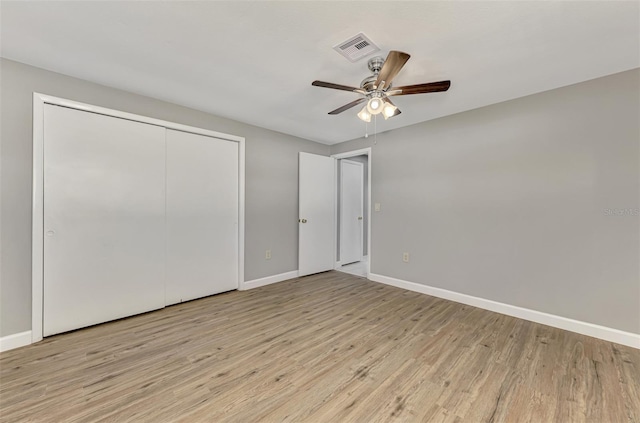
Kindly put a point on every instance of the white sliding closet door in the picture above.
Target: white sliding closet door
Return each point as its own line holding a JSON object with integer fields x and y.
{"x": 202, "y": 216}
{"x": 104, "y": 212}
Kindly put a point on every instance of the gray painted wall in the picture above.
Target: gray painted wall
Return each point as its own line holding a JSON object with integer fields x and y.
{"x": 517, "y": 202}
{"x": 271, "y": 179}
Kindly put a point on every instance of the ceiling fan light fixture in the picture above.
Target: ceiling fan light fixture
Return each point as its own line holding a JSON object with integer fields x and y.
{"x": 375, "y": 105}
{"x": 376, "y": 89}
{"x": 389, "y": 110}
{"x": 364, "y": 114}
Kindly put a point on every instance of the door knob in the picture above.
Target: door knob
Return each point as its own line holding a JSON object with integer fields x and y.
{"x": 302, "y": 220}
{"x": 359, "y": 217}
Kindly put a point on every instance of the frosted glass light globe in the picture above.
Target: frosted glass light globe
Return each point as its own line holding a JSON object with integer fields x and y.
{"x": 375, "y": 105}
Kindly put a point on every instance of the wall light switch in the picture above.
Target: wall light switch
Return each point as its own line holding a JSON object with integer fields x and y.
{"x": 377, "y": 207}
{"x": 267, "y": 255}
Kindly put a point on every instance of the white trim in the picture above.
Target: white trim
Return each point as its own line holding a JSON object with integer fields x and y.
{"x": 48, "y": 99}
{"x": 37, "y": 223}
{"x": 269, "y": 280}
{"x": 37, "y": 272}
{"x": 336, "y": 189}
{"x": 347, "y": 154}
{"x": 241, "y": 193}
{"x": 16, "y": 340}
{"x": 361, "y": 152}
{"x": 336, "y": 212}
{"x": 584, "y": 328}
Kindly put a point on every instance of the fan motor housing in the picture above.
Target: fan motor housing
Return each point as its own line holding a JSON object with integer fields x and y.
{"x": 375, "y": 64}
{"x": 368, "y": 82}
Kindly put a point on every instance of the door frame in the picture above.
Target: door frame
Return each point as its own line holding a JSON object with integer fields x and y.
{"x": 361, "y": 152}
{"x": 37, "y": 237}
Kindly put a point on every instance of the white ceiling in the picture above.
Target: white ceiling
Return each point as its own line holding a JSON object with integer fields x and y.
{"x": 255, "y": 61}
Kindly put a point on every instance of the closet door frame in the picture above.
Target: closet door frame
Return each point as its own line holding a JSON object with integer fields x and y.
{"x": 37, "y": 258}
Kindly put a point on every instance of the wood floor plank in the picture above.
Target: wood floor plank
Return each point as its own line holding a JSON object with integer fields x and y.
{"x": 330, "y": 347}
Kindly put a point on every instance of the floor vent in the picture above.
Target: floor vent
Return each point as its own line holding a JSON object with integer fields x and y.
{"x": 357, "y": 47}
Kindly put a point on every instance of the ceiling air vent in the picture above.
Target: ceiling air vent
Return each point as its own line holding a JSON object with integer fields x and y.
{"x": 357, "y": 47}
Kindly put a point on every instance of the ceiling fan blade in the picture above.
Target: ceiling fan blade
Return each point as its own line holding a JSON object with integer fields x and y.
{"x": 395, "y": 61}
{"x": 335, "y": 86}
{"x": 430, "y": 87}
{"x": 347, "y": 106}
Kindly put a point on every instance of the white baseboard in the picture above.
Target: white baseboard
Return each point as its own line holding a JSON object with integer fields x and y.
{"x": 16, "y": 340}
{"x": 584, "y": 328}
{"x": 269, "y": 280}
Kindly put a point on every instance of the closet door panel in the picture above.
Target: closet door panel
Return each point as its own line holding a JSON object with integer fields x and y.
{"x": 202, "y": 216}
{"x": 104, "y": 218}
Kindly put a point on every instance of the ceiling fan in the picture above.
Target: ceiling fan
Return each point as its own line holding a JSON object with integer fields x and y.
{"x": 377, "y": 89}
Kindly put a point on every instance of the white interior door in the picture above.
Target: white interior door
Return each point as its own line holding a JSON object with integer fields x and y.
{"x": 104, "y": 211}
{"x": 316, "y": 246}
{"x": 202, "y": 216}
{"x": 351, "y": 211}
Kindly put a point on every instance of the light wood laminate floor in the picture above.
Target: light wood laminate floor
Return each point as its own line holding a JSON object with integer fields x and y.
{"x": 326, "y": 348}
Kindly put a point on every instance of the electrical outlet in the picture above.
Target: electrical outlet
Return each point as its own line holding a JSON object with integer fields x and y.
{"x": 267, "y": 255}
{"x": 377, "y": 206}
{"x": 405, "y": 257}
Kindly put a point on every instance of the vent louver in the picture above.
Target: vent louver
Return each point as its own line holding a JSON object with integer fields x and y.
{"x": 356, "y": 47}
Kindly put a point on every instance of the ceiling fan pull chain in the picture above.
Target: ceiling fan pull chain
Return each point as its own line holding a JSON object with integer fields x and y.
{"x": 375, "y": 129}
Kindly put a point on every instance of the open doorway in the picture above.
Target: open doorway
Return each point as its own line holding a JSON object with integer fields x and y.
{"x": 353, "y": 193}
